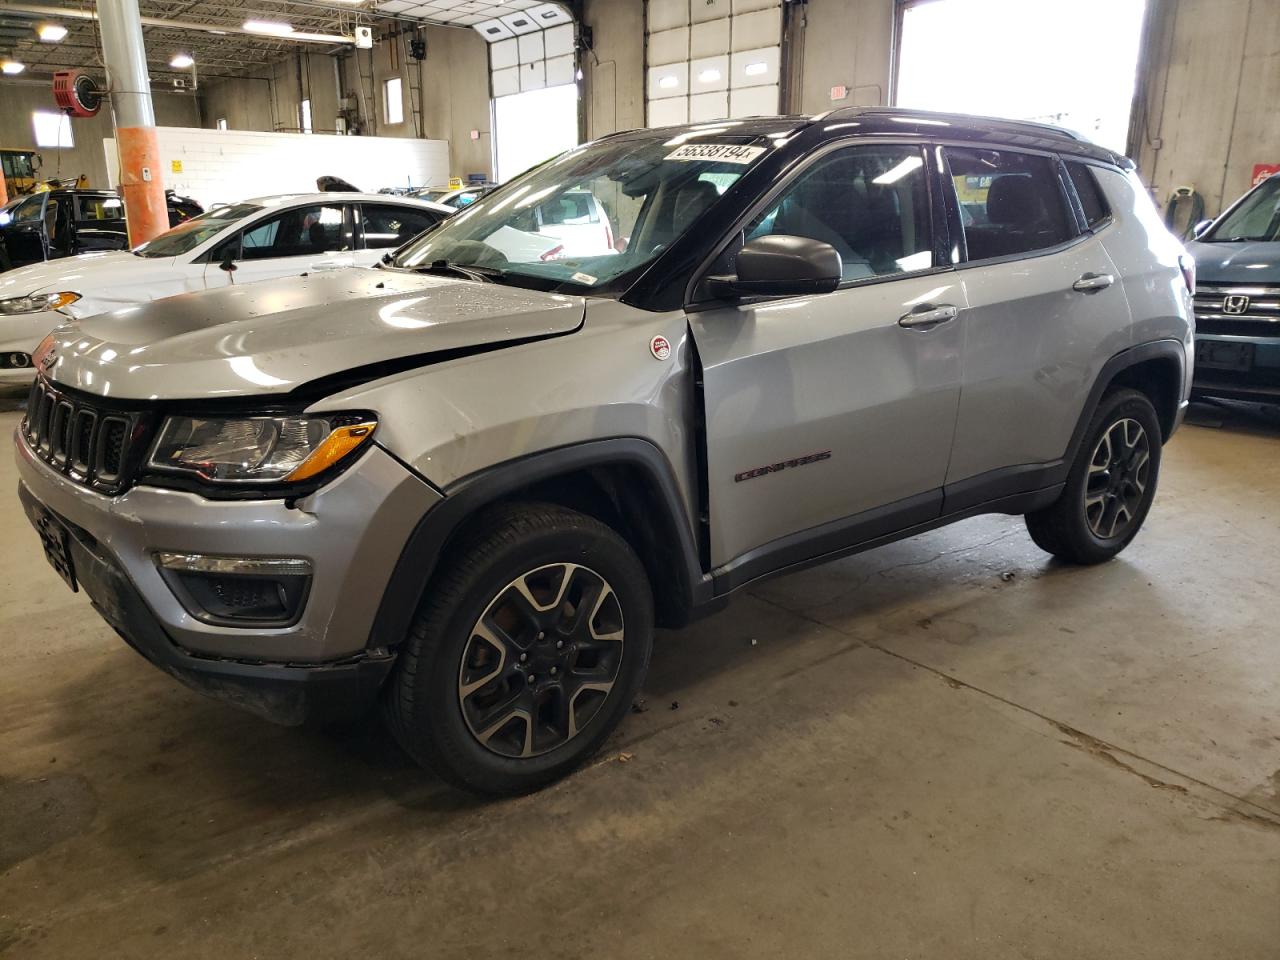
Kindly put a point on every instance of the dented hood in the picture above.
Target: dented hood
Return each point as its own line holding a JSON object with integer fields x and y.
{"x": 275, "y": 336}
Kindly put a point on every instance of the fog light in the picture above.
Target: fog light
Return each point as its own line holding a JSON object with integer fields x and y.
{"x": 238, "y": 591}
{"x": 14, "y": 361}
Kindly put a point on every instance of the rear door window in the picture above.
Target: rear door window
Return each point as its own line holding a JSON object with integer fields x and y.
{"x": 386, "y": 226}
{"x": 1011, "y": 203}
{"x": 99, "y": 208}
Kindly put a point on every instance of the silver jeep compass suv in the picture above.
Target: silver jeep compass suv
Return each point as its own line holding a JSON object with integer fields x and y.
{"x": 467, "y": 484}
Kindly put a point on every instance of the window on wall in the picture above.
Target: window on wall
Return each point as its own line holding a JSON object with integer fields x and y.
{"x": 340, "y": 124}
{"x": 222, "y": 123}
{"x": 304, "y": 116}
{"x": 393, "y": 101}
{"x": 52, "y": 129}
{"x": 709, "y": 59}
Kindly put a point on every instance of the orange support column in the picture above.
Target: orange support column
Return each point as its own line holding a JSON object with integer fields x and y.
{"x": 126, "y": 61}
{"x": 4, "y": 192}
{"x": 141, "y": 185}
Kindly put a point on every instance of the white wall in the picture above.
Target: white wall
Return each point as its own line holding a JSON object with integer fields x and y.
{"x": 224, "y": 166}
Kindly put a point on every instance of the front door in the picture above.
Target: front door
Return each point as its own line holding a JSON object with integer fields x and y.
{"x": 831, "y": 417}
{"x": 24, "y": 237}
{"x": 299, "y": 240}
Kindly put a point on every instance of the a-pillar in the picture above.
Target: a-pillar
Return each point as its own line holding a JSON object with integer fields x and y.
{"x": 141, "y": 183}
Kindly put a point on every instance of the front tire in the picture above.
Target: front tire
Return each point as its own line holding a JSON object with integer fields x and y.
{"x": 526, "y": 653}
{"x": 1110, "y": 487}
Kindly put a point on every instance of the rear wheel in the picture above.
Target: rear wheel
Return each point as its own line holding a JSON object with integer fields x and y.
{"x": 1110, "y": 487}
{"x": 527, "y": 652}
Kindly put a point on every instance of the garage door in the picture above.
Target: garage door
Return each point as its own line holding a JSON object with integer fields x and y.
{"x": 710, "y": 59}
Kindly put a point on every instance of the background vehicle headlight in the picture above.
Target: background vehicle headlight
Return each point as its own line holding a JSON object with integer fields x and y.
{"x": 38, "y": 302}
{"x": 261, "y": 450}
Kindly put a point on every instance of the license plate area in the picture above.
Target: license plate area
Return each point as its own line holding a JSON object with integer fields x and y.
{"x": 1224, "y": 355}
{"x": 56, "y": 539}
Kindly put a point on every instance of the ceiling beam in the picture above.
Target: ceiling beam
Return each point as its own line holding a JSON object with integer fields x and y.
{"x": 74, "y": 13}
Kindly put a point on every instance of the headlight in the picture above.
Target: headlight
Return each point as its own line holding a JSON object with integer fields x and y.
{"x": 258, "y": 450}
{"x": 38, "y": 302}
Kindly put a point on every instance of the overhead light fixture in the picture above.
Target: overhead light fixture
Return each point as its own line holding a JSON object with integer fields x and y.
{"x": 710, "y": 75}
{"x": 181, "y": 61}
{"x": 12, "y": 66}
{"x": 272, "y": 27}
{"x": 51, "y": 32}
{"x": 755, "y": 69}
{"x": 669, "y": 81}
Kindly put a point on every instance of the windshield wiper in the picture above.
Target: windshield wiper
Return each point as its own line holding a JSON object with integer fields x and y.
{"x": 447, "y": 268}
{"x": 1235, "y": 240}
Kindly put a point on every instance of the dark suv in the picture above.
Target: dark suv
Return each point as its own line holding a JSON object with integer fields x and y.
{"x": 1238, "y": 299}
{"x": 63, "y": 223}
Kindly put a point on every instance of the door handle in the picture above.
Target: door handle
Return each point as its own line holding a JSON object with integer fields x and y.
{"x": 928, "y": 315}
{"x": 328, "y": 265}
{"x": 1092, "y": 282}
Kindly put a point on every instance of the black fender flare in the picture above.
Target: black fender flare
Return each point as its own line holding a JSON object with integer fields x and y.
{"x": 1173, "y": 350}
{"x": 464, "y": 498}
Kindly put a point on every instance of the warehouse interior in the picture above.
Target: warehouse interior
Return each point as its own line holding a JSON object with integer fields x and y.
{"x": 951, "y": 745}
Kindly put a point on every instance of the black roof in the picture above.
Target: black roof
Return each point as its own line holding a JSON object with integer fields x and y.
{"x": 880, "y": 121}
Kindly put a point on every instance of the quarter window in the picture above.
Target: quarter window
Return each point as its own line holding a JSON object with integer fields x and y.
{"x": 1010, "y": 203}
{"x": 1090, "y": 194}
{"x": 870, "y": 203}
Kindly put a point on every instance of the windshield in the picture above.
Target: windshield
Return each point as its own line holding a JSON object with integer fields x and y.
{"x": 591, "y": 215}
{"x": 190, "y": 234}
{"x": 1258, "y": 218}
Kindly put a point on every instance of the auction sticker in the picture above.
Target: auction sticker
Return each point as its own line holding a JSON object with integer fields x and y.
{"x": 721, "y": 152}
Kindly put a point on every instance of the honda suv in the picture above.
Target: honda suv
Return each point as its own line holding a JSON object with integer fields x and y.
{"x": 1238, "y": 299}
{"x": 468, "y": 486}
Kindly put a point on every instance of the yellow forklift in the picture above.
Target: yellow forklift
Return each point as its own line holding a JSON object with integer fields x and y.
{"x": 20, "y": 168}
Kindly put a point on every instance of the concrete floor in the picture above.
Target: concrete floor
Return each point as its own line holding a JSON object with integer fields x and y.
{"x": 948, "y": 748}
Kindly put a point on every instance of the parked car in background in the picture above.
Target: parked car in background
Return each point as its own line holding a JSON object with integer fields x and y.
{"x": 468, "y": 486}
{"x": 51, "y": 224}
{"x": 1238, "y": 299}
{"x": 62, "y": 223}
{"x": 457, "y": 197}
{"x": 255, "y": 240}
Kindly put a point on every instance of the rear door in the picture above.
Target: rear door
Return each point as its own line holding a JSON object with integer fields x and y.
{"x": 99, "y": 222}
{"x": 385, "y": 226}
{"x": 304, "y": 239}
{"x": 829, "y": 418}
{"x": 1045, "y": 309}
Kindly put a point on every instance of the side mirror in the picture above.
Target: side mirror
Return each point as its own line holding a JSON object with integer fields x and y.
{"x": 1201, "y": 227}
{"x": 782, "y": 266}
